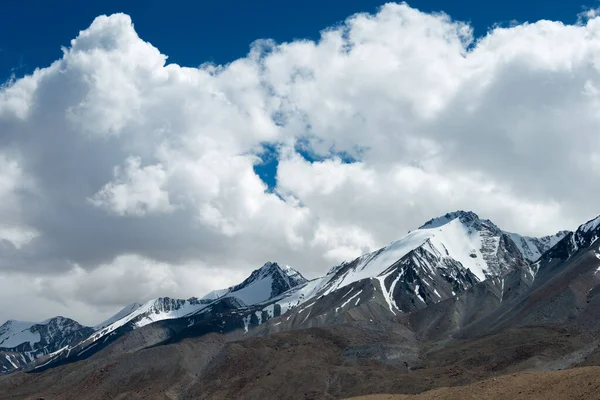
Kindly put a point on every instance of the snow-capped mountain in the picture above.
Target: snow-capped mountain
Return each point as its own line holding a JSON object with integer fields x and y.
{"x": 22, "y": 342}
{"x": 532, "y": 248}
{"x": 152, "y": 311}
{"x": 446, "y": 256}
{"x": 265, "y": 283}
{"x": 456, "y": 281}
{"x": 585, "y": 236}
{"x": 499, "y": 254}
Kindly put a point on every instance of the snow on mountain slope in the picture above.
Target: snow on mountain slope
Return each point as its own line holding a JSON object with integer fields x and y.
{"x": 590, "y": 225}
{"x": 497, "y": 249}
{"x": 153, "y": 311}
{"x": 445, "y": 256}
{"x": 14, "y": 333}
{"x": 267, "y": 282}
{"x": 532, "y": 248}
{"x": 125, "y": 311}
{"x": 300, "y": 294}
{"x": 452, "y": 235}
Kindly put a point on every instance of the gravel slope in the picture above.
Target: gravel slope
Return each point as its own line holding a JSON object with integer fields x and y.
{"x": 572, "y": 384}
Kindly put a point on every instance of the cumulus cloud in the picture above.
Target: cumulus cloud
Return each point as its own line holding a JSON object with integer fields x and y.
{"x": 123, "y": 177}
{"x": 138, "y": 192}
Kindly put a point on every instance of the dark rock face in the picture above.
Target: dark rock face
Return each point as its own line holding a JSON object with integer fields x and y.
{"x": 414, "y": 286}
{"x": 584, "y": 237}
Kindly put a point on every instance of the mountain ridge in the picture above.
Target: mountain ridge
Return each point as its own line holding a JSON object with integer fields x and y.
{"x": 22, "y": 342}
{"x": 443, "y": 258}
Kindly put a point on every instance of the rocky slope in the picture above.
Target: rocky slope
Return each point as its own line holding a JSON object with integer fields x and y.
{"x": 576, "y": 383}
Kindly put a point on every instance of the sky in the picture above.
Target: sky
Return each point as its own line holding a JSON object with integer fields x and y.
{"x": 168, "y": 149}
{"x": 195, "y": 32}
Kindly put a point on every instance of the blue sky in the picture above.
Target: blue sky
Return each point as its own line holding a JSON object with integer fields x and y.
{"x": 192, "y": 32}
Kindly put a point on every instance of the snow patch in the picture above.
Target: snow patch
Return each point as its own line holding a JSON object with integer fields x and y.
{"x": 419, "y": 294}
{"x": 270, "y": 310}
{"x": 11, "y": 361}
{"x": 350, "y": 299}
{"x": 388, "y": 295}
{"x": 246, "y": 321}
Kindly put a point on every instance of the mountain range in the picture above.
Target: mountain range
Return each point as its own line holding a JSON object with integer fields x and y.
{"x": 456, "y": 300}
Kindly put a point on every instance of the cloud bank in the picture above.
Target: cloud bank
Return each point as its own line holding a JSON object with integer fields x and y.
{"x": 124, "y": 177}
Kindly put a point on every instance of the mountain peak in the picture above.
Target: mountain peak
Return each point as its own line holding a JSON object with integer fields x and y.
{"x": 468, "y": 218}
{"x": 268, "y": 268}
{"x": 590, "y": 225}
{"x": 264, "y": 283}
{"x": 585, "y": 236}
{"x": 272, "y": 269}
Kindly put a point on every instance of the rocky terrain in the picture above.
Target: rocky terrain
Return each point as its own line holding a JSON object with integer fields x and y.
{"x": 453, "y": 303}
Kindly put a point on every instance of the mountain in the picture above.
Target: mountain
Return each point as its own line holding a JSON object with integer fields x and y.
{"x": 498, "y": 253}
{"x": 23, "y": 342}
{"x": 263, "y": 284}
{"x": 443, "y": 258}
{"x": 451, "y": 303}
{"x": 565, "y": 294}
{"x": 532, "y": 248}
{"x": 585, "y": 235}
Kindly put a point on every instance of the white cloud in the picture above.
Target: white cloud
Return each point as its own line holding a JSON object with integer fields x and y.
{"x": 139, "y": 191}
{"x": 97, "y": 294}
{"x": 118, "y": 170}
{"x": 588, "y": 14}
